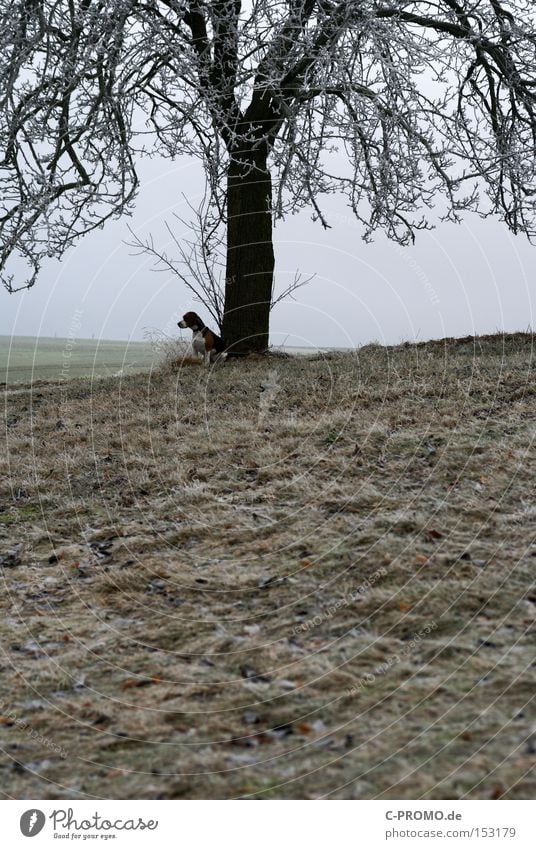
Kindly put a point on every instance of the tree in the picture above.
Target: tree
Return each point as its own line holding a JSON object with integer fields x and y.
{"x": 392, "y": 102}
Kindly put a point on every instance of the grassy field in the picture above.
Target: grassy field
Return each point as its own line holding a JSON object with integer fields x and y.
{"x": 30, "y": 358}
{"x": 280, "y": 578}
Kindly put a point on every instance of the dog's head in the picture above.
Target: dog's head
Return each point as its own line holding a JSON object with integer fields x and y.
{"x": 191, "y": 320}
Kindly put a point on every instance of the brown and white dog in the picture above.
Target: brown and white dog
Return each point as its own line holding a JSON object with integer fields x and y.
{"x": 204, "y": 341}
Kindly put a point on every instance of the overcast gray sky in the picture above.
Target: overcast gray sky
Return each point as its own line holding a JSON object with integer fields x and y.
{"x": 456, "y": 280}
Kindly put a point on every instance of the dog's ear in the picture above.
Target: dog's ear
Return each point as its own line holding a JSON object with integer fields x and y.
{"x": 191, "y": 319}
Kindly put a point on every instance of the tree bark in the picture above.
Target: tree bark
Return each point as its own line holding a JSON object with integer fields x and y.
{"x": 250, "y": 254}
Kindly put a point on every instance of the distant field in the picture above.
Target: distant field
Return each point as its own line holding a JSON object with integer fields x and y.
{"x": 25, "y": 359}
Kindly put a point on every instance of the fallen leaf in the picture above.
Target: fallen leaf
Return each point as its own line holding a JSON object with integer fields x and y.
{"x": 264, "y": 739}
{"x": 496, "y": 791}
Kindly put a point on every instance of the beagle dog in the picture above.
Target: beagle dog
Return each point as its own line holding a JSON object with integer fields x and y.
{"x": 204, "y": 341}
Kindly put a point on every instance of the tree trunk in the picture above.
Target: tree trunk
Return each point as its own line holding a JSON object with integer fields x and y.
{"x": 250, "y": 255}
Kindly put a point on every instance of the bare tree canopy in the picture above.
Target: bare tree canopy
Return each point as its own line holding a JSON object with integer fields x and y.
{"x": 392, "y": 102}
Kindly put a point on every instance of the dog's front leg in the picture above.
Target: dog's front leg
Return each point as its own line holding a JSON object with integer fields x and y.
{"x": 207, "y": 358}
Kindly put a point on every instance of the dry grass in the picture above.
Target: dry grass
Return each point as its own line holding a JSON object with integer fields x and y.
{"x": 323, "y": 589}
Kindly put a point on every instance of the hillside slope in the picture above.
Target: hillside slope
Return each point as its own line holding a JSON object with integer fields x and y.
{"x": 285, "y": 578}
